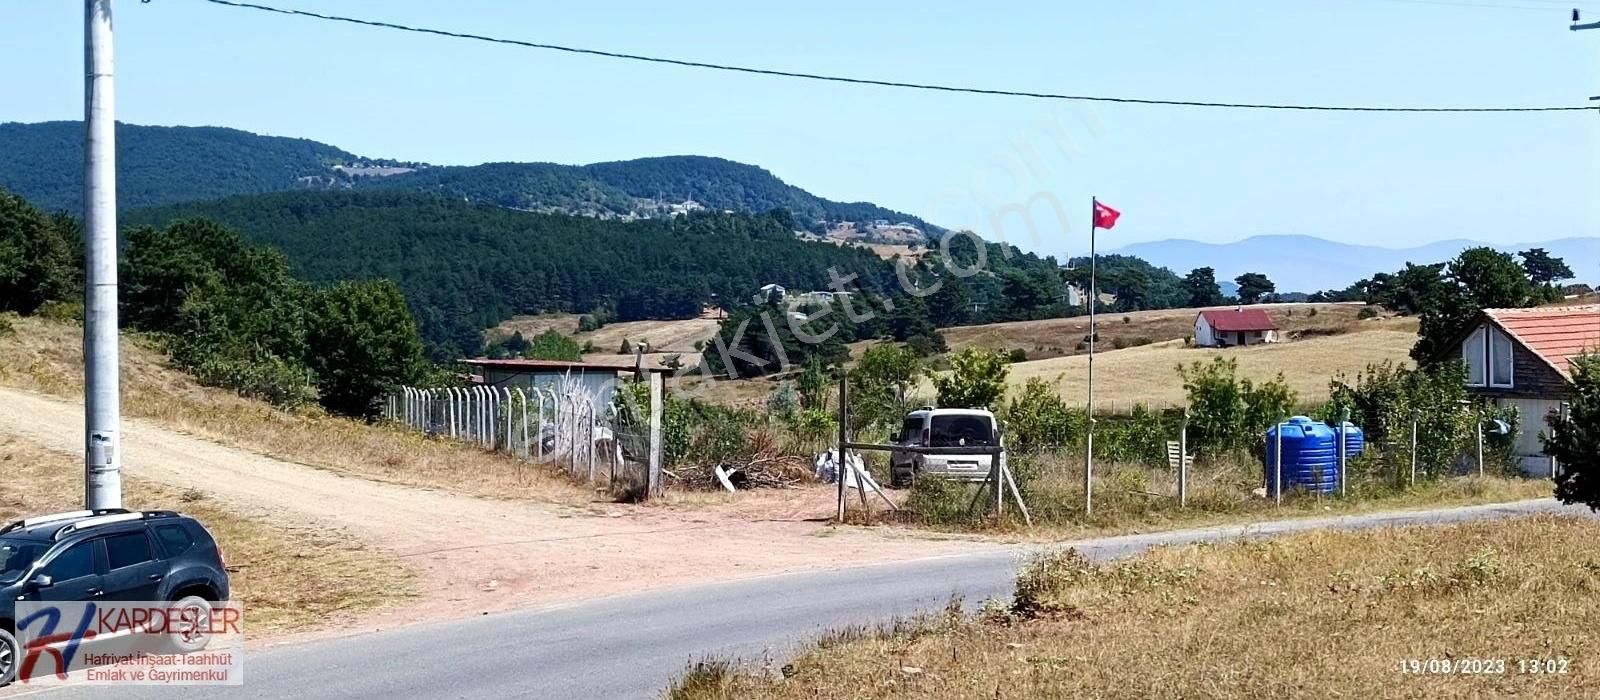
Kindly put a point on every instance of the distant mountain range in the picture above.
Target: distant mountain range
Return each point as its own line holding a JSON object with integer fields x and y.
{"x": 159, "y": 165}
{"x": 1309, "y": 264}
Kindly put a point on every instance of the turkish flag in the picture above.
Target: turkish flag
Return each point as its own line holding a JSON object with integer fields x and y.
{"x": 1104, "y": 216}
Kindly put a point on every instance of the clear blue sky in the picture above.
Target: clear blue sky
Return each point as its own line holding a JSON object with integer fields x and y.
{"x": 1392, "y": 180}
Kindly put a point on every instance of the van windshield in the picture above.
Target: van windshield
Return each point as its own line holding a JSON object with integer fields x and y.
{"x": 956, "y": 431}
{"x": 16, "y": 556}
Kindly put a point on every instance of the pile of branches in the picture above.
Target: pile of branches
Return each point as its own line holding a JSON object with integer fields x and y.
{"x": 750, "y": 472}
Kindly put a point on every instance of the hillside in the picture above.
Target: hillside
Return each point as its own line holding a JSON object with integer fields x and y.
{"x": 1309, "y": 264}
{"x": 159, "y": 165}
{"x": 466, "y": 267}
{"x": 166, "y": 165}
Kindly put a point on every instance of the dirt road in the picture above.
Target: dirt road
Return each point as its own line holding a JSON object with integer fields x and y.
{"x": 473, "y": 555}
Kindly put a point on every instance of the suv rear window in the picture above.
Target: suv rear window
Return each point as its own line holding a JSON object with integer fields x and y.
{"x": 174, "y": 539}
{"x": 956, "y": 431}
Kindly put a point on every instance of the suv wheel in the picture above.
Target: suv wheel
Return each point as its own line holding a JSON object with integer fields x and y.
{"x": 188, "y": 642}
{"x": 10, "y": 657}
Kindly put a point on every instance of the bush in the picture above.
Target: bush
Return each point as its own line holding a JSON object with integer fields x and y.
{"x": 1037, "y": 419}
{"x": 1575, "y": 442}
{"x": 977, "y": 379}
{"x": 1229, "y": 413}
{"x": 1017, "y": 355}
{"x": 271, "y": 379}
{"x": 7, "y": 328}
{"x": 941, "y": 502}
{"x": 1366, "y": 312}
{"x": 1385, "y": 398}
{"x": 552, "y": 345}
{"x": 65, "y": 311}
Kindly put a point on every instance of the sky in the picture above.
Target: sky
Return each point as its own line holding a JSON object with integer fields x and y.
{"x": 962, "y": 161}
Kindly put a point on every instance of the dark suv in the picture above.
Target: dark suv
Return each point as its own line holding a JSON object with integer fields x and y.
{"x": 114, "y": 555}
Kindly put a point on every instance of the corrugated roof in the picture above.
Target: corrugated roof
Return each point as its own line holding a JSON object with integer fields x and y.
{"x": 1239, "y": 320}
{"x": 1556, "y": 334}
{"x": 556, "y": 366}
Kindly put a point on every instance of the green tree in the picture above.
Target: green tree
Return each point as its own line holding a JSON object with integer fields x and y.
{"x": 1575, "y": 442}
{"x": 552, "y": 345}
{"x": 977, "y": 379}
{"x": 1200, "y": 285}
{"x": 881, "y": 383}
{"x": 37, "y": 258}
{"x": 812, "y": 386}
{"x": 1477, "y": 279}
{"x": 1543, "y": 268}
{"x": 1253, "y": 286}
{"x": 362, "y": 342}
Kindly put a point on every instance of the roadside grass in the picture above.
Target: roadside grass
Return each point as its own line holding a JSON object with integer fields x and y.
{"x": 288, "y": 577}
{"x": 1319, "y": 614}
{"x": 46, "y": 357}
{"x": 1131, "y": 498}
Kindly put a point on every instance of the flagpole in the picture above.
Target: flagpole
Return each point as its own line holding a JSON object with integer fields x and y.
{"x": 1094, "y": 296}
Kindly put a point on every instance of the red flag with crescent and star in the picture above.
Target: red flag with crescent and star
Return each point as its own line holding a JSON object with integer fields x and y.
{"x": 1105, "y": 217}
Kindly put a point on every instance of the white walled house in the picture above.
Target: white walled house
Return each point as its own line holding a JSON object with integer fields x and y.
{"x": 1220, "y": 328}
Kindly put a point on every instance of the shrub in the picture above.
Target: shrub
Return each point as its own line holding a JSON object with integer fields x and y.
{"x": 271, "y": 379}
{"x": 1229, "y": 413}
{"x": 1385, "y": 398}
{"x": 552, "y": 345}
{"x": 7, "y": 328}
{"x": 1575, "y": 442}
{"x": 1017, "y": 355}
{"x": 977, "y": 379}
{"x": 941, "y": 502}
{"x": 1366, "y": 312}
{"x": 66, "y": 311}
{"x": 1037, "y": 419}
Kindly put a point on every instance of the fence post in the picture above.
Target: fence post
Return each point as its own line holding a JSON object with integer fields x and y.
{"x": 538, "y": 439}
{"x": 589, "y": 443}
{"x": 1479, "y": 423}
{"x": 653, "y": 473}
{"x": 1183, "y": 461}
{"x": 1344, "y": 436}
{"x": 1277, "y": 462}
{"x": 1413, "y": 448}
{"x": 844, "y": 437}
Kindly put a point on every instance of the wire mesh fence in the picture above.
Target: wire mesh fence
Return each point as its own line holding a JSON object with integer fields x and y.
{"x": 565, "y": 426}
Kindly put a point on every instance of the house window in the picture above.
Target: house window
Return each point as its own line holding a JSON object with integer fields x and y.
{"x": 1499, "y": 359}
{"x": 1472, "y": 352}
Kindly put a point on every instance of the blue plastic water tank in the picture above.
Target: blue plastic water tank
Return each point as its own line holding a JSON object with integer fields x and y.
{"x": 1354, "y": 440}
{"x": 1310, "y": 456}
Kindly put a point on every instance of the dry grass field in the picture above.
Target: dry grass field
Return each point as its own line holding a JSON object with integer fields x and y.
{"x": 663, "y": 336}
{"x": 1495, "y": 608}
{"x": 46, "y": 357}
{"x": 288, "y": 577}
{"x": 1060, "y": 336}
{"x": 1148, "y": 374}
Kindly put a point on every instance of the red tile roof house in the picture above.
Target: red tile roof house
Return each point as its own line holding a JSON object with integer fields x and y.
{"x": 1221, "y": 328}
{"x": 1521, "y": 358}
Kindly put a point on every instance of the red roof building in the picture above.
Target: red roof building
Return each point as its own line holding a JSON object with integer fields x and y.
{"x": 1225, "y": 327}
{"x": 1523, "y": 358}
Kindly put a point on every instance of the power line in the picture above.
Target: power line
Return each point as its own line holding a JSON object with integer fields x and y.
{"x": 885, "y": 83}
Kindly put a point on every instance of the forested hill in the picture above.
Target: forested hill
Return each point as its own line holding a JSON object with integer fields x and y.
{"x": 464, "y": 267}
{"x": 165, "y": 165}
{"x": 156, "y": 164}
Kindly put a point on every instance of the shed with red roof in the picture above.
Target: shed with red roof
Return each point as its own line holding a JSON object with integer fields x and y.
{"x": 1220, "y": 328}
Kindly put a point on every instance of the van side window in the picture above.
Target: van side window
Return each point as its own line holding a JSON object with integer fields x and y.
{"x": 911, "y": 432}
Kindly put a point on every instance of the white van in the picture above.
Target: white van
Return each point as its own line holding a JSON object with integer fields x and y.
{"x": 944, "y": 427}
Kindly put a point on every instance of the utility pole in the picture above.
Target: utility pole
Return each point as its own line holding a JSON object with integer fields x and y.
{"x": 102, "y": 387}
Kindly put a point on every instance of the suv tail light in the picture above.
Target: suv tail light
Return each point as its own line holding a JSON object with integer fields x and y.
{"x": 222, "y": 556}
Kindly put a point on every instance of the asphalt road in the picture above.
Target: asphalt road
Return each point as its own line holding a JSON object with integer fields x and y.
{"x": 632, "y": 646}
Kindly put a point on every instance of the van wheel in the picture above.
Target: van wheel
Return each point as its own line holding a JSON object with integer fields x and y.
{"x": 901, "y": 478}
{"x": 10, "y": 657}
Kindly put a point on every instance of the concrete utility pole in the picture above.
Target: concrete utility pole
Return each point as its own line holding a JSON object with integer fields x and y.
{"x": 102, "y": 388}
